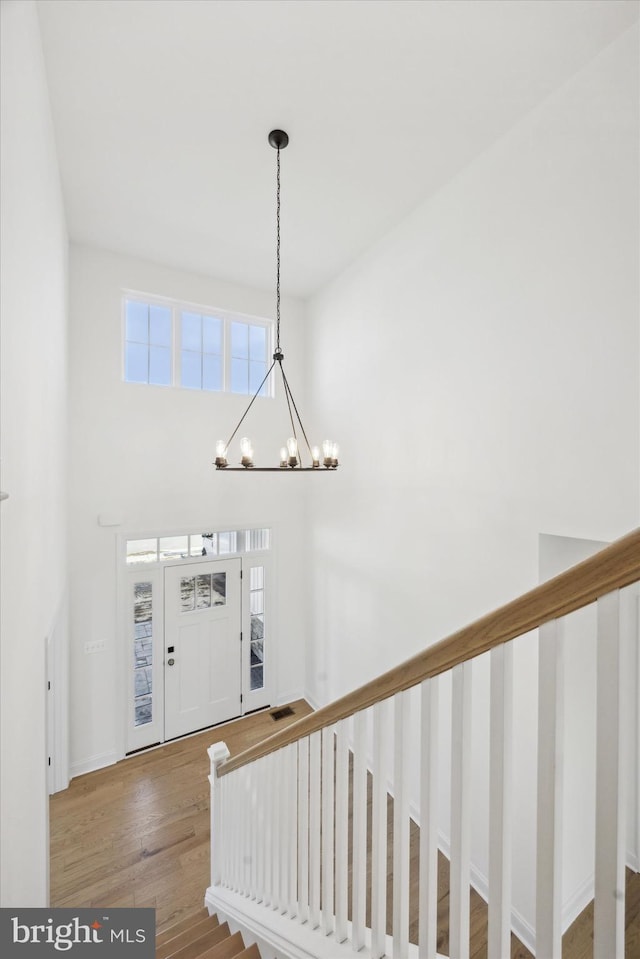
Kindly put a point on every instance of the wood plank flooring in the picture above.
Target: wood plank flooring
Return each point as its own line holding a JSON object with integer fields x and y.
{"x": 137, "y": 834}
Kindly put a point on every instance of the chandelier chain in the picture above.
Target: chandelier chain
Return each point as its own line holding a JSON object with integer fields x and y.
{"x": 278, "y": 253}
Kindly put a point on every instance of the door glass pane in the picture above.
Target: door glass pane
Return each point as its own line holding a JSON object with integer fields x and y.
{"x": 142, "y": 551}
{"x": 196, "y": 546}
{"x": 256, "y": 601}
{"x": 203, "y": 591}
{"x": 256, "y": 608}
{"x": 143, "y": 711}
{"x": 227, "y": 542}
{"x": 142, "y": 653}
{"x": 187, "y": 593}
{"x": 174, "y": 547}
{"x": 210, "y": 543}
{"x": 218, "y": 589}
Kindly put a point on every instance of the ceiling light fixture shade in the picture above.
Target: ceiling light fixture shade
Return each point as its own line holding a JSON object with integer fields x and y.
{"x": 291, "y": 459}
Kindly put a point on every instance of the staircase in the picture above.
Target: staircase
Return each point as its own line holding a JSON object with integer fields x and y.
{"x": 301, "y": 858}
{"x": 201, "y": 936}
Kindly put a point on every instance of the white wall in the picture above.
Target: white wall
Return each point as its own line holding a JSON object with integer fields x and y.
{"x": 144, "y": 454}
{"x": 33, "y": 423}
{"x": 482, "y": 364}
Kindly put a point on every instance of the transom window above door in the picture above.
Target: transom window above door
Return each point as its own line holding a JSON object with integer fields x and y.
{"x": 188, "y": 546}
{"x": 167, "y": 343}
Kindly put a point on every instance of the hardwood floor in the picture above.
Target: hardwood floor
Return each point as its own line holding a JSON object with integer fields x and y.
{"x": 137, "y": 834}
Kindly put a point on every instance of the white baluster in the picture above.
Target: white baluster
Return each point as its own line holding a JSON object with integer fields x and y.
{"x": 292, "y": 820}
{"x": 303, "y": 829}
{"x": 278, "y": 832}
{"x": 402, "y": 718}
{"x": 260, "y": 829}
{"x": 233, "y": 830}
{"x": 328, "y": 780}
{"x": 359, "y": 863}
{"x": 271, "y": 849}
{"x": 500, "y": 763}
{"x": 460, "y": 811}
{"x": 379, "y": 831}
{"x": 314, "y": 830}
{"x": 342, "y": 827}
{"x": 611, "y": 753}
{"x": 550, "y": 789}
{"x": 253, "y": 828}
{"x": 217, "y": 755}
{"x": 428, "y": 909}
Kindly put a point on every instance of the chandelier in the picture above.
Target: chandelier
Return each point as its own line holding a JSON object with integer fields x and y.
{"x": 291, "y": 455}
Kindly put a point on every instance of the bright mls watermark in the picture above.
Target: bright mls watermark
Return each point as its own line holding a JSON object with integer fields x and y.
{"x": 79, "y": 933}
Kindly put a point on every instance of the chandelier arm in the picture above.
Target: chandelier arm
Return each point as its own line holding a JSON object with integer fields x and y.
{"x": 253, "y": 399}
{"x": 286, "y": 394}
{"x": 289, "y": 393}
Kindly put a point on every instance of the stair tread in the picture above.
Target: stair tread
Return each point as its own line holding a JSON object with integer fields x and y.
{"x": 195, "y": 930}
{"x": 201, "y": 943}
{"x": 177, "y": 927}
{"x": 227, "y": 949}
{"x": 252, "y": 952}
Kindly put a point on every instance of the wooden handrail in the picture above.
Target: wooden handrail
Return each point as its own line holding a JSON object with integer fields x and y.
{"x": 611, "y": 568}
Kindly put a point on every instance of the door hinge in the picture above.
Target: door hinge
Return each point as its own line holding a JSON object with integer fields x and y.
{"x": 49, "y": 760}
{"x": 240, "y": 574}
{"x": 48, "y": 684}
{"x": 240, "y": 697}
{"x": 240, "y": 637}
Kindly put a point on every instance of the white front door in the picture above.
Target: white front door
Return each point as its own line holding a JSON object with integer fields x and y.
{"x": 203, "y": 648}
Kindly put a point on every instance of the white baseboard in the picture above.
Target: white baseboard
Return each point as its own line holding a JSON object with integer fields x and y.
{"x": 89, "y": 765}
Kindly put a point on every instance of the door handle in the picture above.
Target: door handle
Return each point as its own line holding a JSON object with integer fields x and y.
{"x": 170, "y": 662}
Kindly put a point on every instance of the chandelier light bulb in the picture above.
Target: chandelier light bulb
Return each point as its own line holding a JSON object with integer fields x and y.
{"x": 221, "y": 454}
{"x": 327, "y": 452}
{"x": 315, "y": 456}
{"x": 246, "y": 450}
{"x": 334, "y": 454}
{"x": 283, "y": 456}
{"x": 292, "y": 447}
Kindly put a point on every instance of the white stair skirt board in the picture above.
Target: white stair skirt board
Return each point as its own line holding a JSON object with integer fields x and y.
{"x": 279, "y": 937}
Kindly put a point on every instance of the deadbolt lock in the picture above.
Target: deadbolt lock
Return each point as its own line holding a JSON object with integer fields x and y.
{"x": 170, "y": 662}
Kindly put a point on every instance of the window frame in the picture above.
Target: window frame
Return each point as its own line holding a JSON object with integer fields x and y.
{"x": 178, "y": 307}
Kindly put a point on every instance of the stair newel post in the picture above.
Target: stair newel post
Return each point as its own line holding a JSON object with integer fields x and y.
{"x": 217, "y": 753}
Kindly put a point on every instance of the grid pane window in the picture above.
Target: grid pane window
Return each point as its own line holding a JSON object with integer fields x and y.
{"x": 201, "y": 342}
{"x": 143, "y": 653}
{"x": 249, "y": 347}
{"x": 256, "y": 607}
{"x": 147, "y": 343}
{"x": 212, "y": 352}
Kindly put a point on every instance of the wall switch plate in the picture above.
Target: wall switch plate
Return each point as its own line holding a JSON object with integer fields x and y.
{"x": 96, "y": 646}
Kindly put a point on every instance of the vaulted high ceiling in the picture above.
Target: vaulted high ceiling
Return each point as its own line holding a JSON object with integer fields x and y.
{"x": 162, "y": 110}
